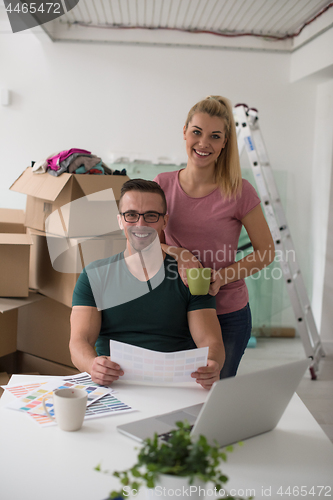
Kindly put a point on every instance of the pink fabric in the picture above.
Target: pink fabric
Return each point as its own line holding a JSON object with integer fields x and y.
{"x": 209, "y": 227}
{"x": 55, "y": 161}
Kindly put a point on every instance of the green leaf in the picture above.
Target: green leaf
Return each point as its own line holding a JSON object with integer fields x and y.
{"x": 115, "y": 494}
{"x": 135, "y": 472}
{"x": 150, "y": 483}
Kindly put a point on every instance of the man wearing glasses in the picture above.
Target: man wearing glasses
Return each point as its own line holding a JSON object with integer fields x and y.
{"x": 138, "y": 297}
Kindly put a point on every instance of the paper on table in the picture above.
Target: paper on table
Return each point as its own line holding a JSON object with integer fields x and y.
{"x": 106, "y": 406}
{"x": 102, "y": 406}
{"x": 32, "y": 403}
{"x": 21, "y": 390}
{"x": 144, "y": 366}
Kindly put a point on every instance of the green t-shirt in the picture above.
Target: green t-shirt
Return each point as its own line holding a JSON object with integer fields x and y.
{"x": 155, "y": 319}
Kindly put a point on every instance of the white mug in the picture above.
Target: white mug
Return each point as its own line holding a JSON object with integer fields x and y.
{"x": 69, "y": 408}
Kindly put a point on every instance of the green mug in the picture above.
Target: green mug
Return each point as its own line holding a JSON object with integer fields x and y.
{"x": 198, "y": 279}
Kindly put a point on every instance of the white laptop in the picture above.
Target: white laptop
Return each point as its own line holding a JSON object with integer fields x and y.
{"x": 236, "y": 408}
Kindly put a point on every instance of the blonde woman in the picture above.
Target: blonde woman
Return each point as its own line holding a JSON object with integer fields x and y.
{"x": 208, "y": 203}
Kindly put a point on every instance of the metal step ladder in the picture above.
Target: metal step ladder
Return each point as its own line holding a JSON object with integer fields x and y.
{"x": 249, "y": 136}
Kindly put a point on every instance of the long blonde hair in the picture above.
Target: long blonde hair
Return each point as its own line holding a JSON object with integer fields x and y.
{"x": 227, "y": 169}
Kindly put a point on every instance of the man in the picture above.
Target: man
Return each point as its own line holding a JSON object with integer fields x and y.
{"x": 160, "y": 314}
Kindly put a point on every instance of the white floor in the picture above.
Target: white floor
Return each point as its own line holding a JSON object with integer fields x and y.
{"x": 317, "y": 395}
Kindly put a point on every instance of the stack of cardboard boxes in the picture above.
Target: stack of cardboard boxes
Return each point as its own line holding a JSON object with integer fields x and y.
{"x": 14, "y": 263}
{"x": 35, "y": 326}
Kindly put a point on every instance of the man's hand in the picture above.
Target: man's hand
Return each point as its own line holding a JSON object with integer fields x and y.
{"x": 104, "y": 371}
{"x": 207, "y": 375}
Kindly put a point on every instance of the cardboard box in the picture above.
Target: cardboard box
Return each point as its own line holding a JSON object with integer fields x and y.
{"x": 8, "y": 321}
{"x": 12, "y": 220}
{"x": 8, "y": 363}
{"x": 56, "y": 263}
{"x": 4, "y": 378}
{"x": 14, "y": 264}
{"x": 45, "y": 279}
{"x": 43, "y": 330}
{"x": 27, "y": 363}
{"x": 8, "y": 329}
{"x": 94, "y": 215}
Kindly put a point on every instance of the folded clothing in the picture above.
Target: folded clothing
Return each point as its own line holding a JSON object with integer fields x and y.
{"x": 70, "y": 161}
{"x": 87, "y": 161}
{"x": 53, "y": 162}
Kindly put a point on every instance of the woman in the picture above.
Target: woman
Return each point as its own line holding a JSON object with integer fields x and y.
{"x": 208, "y": 202}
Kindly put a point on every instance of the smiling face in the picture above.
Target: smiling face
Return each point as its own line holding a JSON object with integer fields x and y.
{"x": 205, "y": 139}
{"x": 141, "y": 234}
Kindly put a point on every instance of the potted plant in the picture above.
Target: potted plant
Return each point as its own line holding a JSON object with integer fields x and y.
{"x": 179, "y": 467}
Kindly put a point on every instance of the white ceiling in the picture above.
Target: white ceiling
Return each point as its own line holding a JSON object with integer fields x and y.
{"x": 272, "y": 18}
{"x": 262, "y": 24}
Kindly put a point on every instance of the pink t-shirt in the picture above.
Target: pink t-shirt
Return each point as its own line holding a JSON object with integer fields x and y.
{"x": 209, "y": 227}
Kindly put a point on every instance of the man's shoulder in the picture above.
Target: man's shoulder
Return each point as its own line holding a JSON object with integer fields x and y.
{"x": 104, "y": 262}
{"x": 171, "y": 273}
{"x": 170, "y": 261}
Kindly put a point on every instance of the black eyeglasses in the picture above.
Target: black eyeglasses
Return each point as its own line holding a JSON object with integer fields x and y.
{"x": 149, "y": 217}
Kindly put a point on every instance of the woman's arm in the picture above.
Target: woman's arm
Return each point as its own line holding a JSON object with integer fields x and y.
{"x": 262, "y": 255}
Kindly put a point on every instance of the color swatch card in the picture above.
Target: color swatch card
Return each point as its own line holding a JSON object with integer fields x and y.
{"x": 153, "y": 367}
{"x": 101, "y": 400}
{"x": 22, "y": 390}
{"x": 82, "y": 378}
{"x": 33, "y": 401}
{"x": 106, "y": 406}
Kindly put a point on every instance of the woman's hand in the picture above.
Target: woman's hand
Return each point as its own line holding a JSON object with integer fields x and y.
{"x": 185, "y": 260}
{"x": 215, "y": 283}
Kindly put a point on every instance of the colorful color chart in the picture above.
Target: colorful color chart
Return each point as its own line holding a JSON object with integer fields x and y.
{"x": 22, "y": 390}
{"x": 33, "y": 401}
{"x": 82, "y": 378}
{"x": 101, "y": 401}
{"x": 106, "y": 406}
{"x": 154, "y": 367}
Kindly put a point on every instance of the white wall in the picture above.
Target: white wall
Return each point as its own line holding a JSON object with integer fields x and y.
{"x": 134, "y": 99}
{"x": 313, "y": 62}
{"x": 327, "y": 296}
{"x": 322, "y": 199}
{"x": 315, "y": 57}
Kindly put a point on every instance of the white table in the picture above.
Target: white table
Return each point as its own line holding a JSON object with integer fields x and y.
{"x": 49, "y": 464}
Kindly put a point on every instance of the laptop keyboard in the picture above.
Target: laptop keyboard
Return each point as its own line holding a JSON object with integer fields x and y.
{"x": 167, "y": 435}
